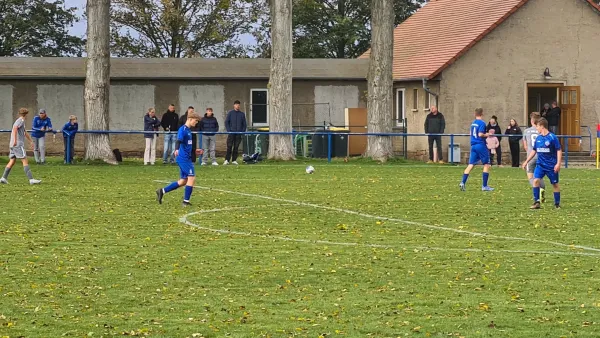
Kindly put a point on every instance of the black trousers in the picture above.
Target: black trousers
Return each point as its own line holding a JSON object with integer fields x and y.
{"x": 438, "y": 142}
{"x": 71, "y": 150}
{"x": 233, "y": 145}
{"x": 498, "y": 156}
{"x": 515, "y": 152}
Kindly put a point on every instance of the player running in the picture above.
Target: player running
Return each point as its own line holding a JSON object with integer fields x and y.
{"x": 479, "y": 151}
{"x": 183, "y": 155}
{"x": 17, "y": 148}
{"x": 549, "y": 157}
{"x": 529, "y": 137}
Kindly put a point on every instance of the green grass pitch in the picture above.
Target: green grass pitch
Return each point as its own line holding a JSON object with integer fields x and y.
{"x": 354, "y": 250}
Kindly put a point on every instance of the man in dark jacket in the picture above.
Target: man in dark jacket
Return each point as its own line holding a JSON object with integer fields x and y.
{"x": 209, "y": 124}
{"x": 235, "y": 122}
{"x": 553, "y": 118}
{"x": 493, "y": 124}
{"x": 151, "y": 124}
{"x": 170, "y": 124}
{"x": 435, "y": 124}
{"x": 182, "y": 121}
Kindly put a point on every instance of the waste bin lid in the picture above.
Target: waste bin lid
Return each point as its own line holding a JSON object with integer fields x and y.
{"x": 456, "y": 145}
{"x": 339, "y": 129}
{"x": 263, "y": 129}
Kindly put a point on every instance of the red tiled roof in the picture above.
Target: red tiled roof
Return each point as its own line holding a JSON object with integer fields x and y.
{"x": 443, "y": 30}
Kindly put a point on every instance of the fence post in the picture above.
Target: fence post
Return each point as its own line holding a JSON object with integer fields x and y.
{"x": 328, "y": 147}
{"x": 566, "y": 152}
{"x": 451, "y": 149}
{"x": 68, "y": 154}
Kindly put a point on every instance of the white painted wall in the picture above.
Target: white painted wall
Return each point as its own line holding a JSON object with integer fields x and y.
{"x": 128, "y": 105}
{"x": 339, "y": 98}
{"x": 202, "y": 97}
{"x": 60, "y": 101}
{"x": 7, "y": 115}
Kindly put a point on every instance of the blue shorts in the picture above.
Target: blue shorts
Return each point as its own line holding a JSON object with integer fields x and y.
{"x": 479, "y": 152}
{"x": 186, "y": 170}
{"x": 541, "y": 172}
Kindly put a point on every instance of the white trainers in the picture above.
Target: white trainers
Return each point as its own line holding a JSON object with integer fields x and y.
{"x": 3, "y": 180}
{"x": 226, "y": 162}
{"x": 215, "y": 163}
{"x": 203, "y": 163}
{"x": 34, "y": 181}
{"x": 234, "y": 163}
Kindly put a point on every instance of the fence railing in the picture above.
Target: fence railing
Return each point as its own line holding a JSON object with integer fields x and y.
{"x": 326, "y": 133}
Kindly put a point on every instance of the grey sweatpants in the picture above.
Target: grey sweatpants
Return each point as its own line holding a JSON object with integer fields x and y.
{"x": 39, "y": 149}
{"x": 209, "y": 143}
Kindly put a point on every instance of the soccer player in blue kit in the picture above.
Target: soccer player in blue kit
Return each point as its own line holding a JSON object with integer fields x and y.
{"x": 549, "y": 157}
{"x": 479, "y": 151}
{"x": 183, "y": 157}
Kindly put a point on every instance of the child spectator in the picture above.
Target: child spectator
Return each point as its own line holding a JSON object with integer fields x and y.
{"x": 69, "y": 131}
{"x": 209, "y": 124}
{"x": 151, "y": 124}
{"x": 492, "y": 144}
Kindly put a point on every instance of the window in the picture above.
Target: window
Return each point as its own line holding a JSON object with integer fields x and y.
{"x": 400, "y": 116}
{"x": 415, "y": 99}
{"x": 427, "y": 100}
{"x": 259, "y": 109}
{"x": 432, "y": 101}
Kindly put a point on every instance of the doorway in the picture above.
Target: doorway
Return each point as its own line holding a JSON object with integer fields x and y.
{"x": 568, "y": 98}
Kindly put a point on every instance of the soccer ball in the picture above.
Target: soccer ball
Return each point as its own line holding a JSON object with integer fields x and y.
{"x": 310, "y": 169}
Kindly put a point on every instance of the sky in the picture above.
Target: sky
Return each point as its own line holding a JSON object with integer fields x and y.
{"x": 79, "y": 28}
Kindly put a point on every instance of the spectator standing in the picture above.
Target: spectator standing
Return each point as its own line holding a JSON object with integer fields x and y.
{"x": 69, "y": 130}
{"x": 235, "y": 122}
{"x": 553, "y": 118}
{"x": 545, "y": 110}
{"x": 170, "y": 124}
{"x": 41, "y": 125}
{"x": 492, "y": 144}
{"x": 209, "y": 123}
{"x": 515, "y": 135}
{"x": 435, "y": 124}
{"x": 151, "y": 124}
{"x": 182, "y": 120}
{"x": 493, "y": 124}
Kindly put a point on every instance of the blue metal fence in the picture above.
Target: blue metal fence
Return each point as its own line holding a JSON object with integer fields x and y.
{"x": 329, "y": 135}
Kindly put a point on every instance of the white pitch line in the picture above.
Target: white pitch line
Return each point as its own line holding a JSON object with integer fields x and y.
{"x": 398, "y": 220}
{"x": 185, "y": 221}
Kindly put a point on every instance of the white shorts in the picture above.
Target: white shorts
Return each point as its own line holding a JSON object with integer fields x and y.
{"x": 17, "y": 152}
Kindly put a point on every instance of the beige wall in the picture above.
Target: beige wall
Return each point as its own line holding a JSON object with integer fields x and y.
{"x": 131, "y": 99}
{"x": 563, "y": 35}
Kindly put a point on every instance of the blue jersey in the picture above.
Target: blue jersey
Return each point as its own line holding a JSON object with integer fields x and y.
{"x": 184, "y": 136}
{"x": 478, "y": 126}
{"x": 547, "y": 148}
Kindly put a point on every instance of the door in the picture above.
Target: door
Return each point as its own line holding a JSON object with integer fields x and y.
{"x": 356, "y": 120}
{"x": 571, "y": 115}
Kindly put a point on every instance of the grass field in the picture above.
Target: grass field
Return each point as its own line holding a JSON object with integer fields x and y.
{"x": 354, "y": 250}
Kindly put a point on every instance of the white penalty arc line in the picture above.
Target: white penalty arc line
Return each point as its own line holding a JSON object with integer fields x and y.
{"x": 397, "y": 220}
{"x": 184, "y": 219}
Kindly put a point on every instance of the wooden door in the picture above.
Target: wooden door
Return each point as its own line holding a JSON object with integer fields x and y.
{"x": 356, "y": 120}
{"x": 571, "y": 115}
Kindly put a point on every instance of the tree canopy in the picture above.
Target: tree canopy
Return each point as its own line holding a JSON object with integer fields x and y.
{"x": 181, "y": 28}
{"x": 38, "y": 28}
{"x": 332, "y": 28}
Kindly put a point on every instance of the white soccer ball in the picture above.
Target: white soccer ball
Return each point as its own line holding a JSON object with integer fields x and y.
{"x": 310, "y": 169}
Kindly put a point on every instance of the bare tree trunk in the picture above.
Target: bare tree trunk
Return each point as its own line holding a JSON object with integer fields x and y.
{"x": 380, "y": 100}
{"x": 97, "y": 81}
{"x": 280, "y": 82}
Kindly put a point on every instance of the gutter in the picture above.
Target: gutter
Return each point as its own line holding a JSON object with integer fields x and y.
{"x": 429, "y": 91}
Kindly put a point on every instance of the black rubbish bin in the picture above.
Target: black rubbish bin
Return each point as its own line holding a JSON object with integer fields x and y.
{"x": 249, "y": 143}
{"x": 340, "y": 142}
{"x": 320, "y": 144}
